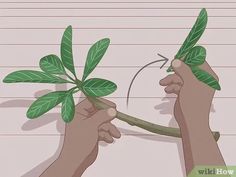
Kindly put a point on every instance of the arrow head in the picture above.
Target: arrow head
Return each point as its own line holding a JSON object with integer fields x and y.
{"x": 164, "y": 59}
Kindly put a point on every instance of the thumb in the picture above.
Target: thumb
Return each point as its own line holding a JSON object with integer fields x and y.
{"x": 182, "y": 70}
{"x": 103, "y": 116}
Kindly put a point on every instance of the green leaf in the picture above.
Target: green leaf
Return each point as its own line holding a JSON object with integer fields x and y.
{"x": 66, "y": 50}
{"x": 193, "y": 36}
{"x": 94, "y": 56}
{"x": 96, "y": 87}
{"x": 52, "y": 64}
{"x": 33, "y": 76}
{"x": 206, "y": 78}
{"x": 68, "y": 108}
{"x": 45, "y": 103}
{"x": 196, "y": 56}
{"x": 170, "y": 69}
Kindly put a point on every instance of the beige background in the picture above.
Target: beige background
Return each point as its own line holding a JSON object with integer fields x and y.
{"x": 138, "y": 30}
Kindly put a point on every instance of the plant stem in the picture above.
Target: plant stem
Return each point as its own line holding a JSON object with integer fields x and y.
{"x": 70, "y": 78}
{"x": 72, "y": 89}
{"x": 151, "y": 127}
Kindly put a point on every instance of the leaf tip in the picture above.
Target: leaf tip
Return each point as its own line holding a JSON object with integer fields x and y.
{"x": 169, "y": 69}
{"x": 5, "y": 80}
{"x": 69, "y": 27}
{"x": 218, "y": 87}
{"x": 67, "y": 120}
{"x": 203, "y": 11}
{"x": 29, "y": 115}
{"x": 107, "y": 40}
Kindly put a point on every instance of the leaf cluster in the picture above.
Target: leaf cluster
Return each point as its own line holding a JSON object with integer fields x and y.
{"x": 55, "y": 69}
{"x": 193, "y": 55}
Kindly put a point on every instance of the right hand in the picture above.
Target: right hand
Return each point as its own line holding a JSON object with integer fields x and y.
{"x": 194, "y": 98}
{"x": 82, "y": 135}
{"x": 80, "y": 147}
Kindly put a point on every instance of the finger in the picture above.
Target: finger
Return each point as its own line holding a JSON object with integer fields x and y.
{"x": 85, "y": 108}
{"x": 173, "y": 88}
{"x": 171, "y": 79}
{"x": 103, "y": 116}
{"x": 104, "y": 136}
{"x": 183, "y": 71}
{"x": 114, "y": 131}
{"x": 85, "y": 104}
{"x": 111, "y": 104}
{"x": 104, "y": 127}
{"x": 109, "y": 127}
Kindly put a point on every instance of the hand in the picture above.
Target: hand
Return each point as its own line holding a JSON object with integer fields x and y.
{"x": 82, "y": 135}
{"x": 192, "y": 106}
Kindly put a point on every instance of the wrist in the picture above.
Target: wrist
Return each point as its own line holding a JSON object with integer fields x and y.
{"x": 74, "y": 160}
{"x": 196, "y": 135}
{"x": 60, "y": 168}
{"x": 196, "y": 123}
{"x": 68, "y": 168}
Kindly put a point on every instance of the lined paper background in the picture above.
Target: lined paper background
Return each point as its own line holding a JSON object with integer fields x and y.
{"x": 138, "y": 30}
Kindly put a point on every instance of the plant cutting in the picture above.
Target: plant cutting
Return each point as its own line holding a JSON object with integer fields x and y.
{"x": 193, "y": 55}
{"x": 54, "y": 67}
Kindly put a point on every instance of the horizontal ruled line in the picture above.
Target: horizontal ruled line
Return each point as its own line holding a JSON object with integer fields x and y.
{"x": 124, "y": 134}
{"x": 104, "y": 97}
{"x": 230, "y": 134}
{"x": 21, "y": 134}
{"x": 121, "y": 97}
{"x": 114, "y": 44}
{"x": 169, "y": 8}
{"x": 97, "y": 16}
{"x": 61, "y": 135}
{"x": 106, "y": 28}
{"x": 125, "y": 67}
{"x": 115, "y": 2}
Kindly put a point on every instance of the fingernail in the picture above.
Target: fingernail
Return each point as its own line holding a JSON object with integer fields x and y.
{"x": 111, "y": 112}
{"x": 176, "y": 63}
